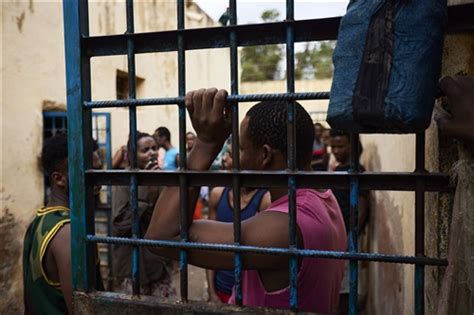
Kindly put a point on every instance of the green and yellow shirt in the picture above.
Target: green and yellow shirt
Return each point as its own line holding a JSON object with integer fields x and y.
{"x": 41, "y": 294}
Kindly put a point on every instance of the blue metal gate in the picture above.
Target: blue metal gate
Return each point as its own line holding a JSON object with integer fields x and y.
{"x": 80, "y": 48}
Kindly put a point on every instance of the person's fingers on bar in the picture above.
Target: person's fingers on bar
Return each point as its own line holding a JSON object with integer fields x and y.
{"x": 188, "y": 102}
{"x": 219, "y": 102}
{"x": 197, "y": 103}
{"x": 207, "y": 101}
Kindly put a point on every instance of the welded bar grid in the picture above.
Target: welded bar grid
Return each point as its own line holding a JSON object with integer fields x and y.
{"x": 79, "y": 46}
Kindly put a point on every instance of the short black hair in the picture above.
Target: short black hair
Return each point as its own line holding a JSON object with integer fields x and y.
{"x": 339, "y": 133}
{"x": 268, "y": 125}
{"x": 139, "y": 136}
{"x": 53, "y": 153}
{"x": 164, "y": 132}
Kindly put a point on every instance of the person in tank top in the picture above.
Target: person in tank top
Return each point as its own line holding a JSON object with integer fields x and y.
{"x": 263, "y": 147}
{"x": 221, "y": 208}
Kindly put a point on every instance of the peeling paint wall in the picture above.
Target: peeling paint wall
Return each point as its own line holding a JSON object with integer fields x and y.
{"x": 392, "y": 218}
{"x": 33, "y": 80}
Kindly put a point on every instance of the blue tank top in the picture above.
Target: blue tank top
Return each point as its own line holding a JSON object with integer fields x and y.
{"x": 225, "y": 278}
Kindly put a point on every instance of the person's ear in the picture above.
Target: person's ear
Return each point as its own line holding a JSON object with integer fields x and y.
{"x": 59, "y": 179}
{"x": 267, "y": 156}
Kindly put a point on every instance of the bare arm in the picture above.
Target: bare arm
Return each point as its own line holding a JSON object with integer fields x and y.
{"x": 61, "y": 249}
{"x": 266, "y": 201}
{"x": 117, "y": 159}
{"x": 212, "y": 123}
{"x": 214, "y": 197}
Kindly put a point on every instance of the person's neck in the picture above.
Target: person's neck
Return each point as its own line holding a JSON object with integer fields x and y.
{"x": 344, "y": 164}
{"x": 58, "y": 198}
{"x": 278, "y": 192}
{"x": 167, "y": 146}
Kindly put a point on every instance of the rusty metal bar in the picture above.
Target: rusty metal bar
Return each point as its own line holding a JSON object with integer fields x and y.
{"x": 420, "y": 225}
{"x": 183, "y": 181}
{"x": 230, "y": 98}
{"x": 396, "y": 181}
{"x": 234, "y": 89}
{"x": 376, "y": 257}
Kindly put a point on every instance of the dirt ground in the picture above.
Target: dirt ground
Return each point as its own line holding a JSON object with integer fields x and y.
{"x": 197, "y": 285}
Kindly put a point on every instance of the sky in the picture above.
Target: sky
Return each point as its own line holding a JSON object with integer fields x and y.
{"x": 249, "y": 11}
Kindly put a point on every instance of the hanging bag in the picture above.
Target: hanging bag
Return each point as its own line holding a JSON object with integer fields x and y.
{"x": 387, "y": 63}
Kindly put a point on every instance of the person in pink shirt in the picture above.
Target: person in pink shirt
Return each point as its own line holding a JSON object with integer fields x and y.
{"x": 263, "y": 146}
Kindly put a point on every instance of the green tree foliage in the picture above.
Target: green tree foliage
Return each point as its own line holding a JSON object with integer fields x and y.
{"x": 260, "y": 63}
{"x": 315, "y": 61}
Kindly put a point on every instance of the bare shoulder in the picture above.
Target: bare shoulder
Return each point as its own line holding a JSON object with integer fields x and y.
{"x": 215, "y": 194}
{"x": 61, "y": 242}
{"x": 266, "y": 228}
{"x": 266, "y": 201}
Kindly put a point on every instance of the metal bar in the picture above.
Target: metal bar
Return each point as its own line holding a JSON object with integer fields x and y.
{"x": 214, "y": 37}
{"x": 83, "y": 255}
{"x": 420, "y": 225}
{"x": 234, "y": 90}
{"x": 459, "y": 20}
{"x": 273, "y": 251}
{"x": 353, "y": 223}
{"x": 230, "y": 98}
{"x": 133, "y": 148}
{"x": 291, "y": 152}
{"x": 183, "y": 186}
{"x": 396, "y": 181}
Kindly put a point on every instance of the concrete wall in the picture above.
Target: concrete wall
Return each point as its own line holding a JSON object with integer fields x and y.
{"x": 33, "y": 80}
{"x": 391, "y": 287}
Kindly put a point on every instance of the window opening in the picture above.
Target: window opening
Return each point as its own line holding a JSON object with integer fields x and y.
{"x": 123, "y": 84}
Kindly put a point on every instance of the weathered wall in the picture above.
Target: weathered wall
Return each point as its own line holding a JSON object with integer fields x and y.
{"x": 391, "y": 287}
{"x": 391, "y": 224}
{"x": 33, "y": 80}
{"x": 32, "y": 71}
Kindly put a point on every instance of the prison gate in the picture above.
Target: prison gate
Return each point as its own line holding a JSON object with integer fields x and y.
{"x": 80, "y": 48}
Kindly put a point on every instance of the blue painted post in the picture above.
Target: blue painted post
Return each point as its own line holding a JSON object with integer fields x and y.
{"x": 83, "y": 254}
{"x": 234, "y": 86}
{"x": 420, "y": 225}
{"x": 291, "y": 143}
{"x": 183, "y": 262}
{"x": 133, "y": 148}
{"x": 353, "y": 223}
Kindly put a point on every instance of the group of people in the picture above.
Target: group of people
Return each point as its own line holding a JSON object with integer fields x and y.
{"x": 321, "y": 219}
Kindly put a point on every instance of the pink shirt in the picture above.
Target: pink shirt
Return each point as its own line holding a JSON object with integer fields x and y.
{"x": 319, "y": 280}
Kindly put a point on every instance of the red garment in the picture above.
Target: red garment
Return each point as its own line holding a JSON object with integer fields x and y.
{"x": 319, "y": 280}
{"x": 223, "y": 297}
{"x": 198, "y": 210}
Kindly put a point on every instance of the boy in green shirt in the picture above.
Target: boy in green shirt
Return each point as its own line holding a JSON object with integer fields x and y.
{"x": 47, "y": 244}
